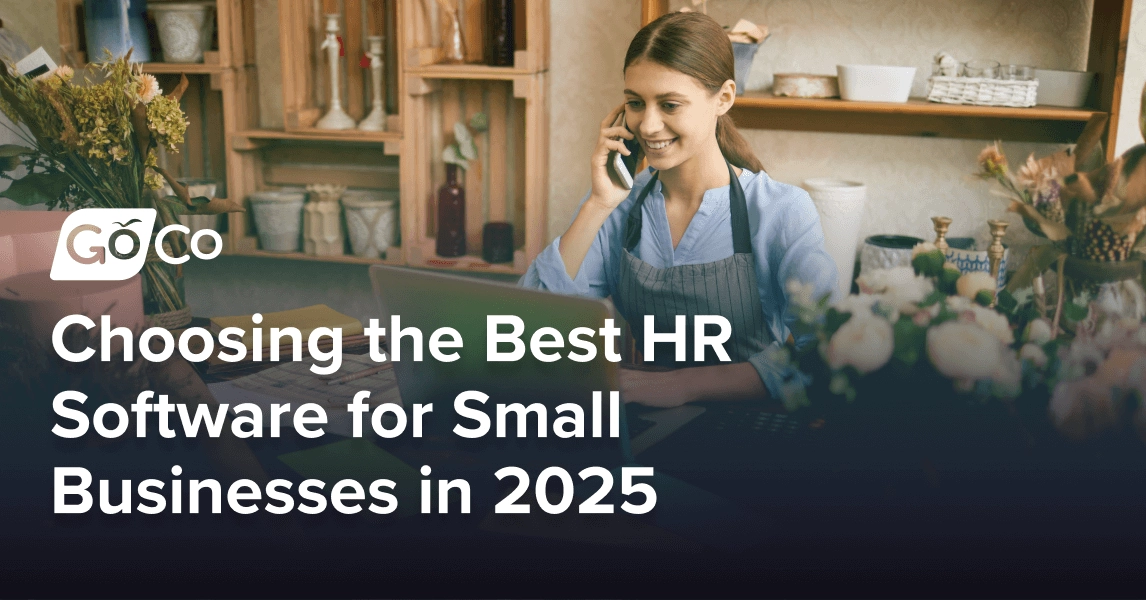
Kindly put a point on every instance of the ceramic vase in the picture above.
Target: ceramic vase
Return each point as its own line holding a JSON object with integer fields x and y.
{"x": 117, "y": 26}
{"x": 278, "y": 218}
{"x": 372, "y": 221}
{"x": 840, "y": 204}
{"x": 184, "y": 30}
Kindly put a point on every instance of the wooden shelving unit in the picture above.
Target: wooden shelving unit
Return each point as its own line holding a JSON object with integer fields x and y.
{"x": 1109, "y": 32}
{"x": 508, "y": 182}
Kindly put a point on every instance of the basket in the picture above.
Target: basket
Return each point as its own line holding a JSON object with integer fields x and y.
{"x": 982, "y": 92}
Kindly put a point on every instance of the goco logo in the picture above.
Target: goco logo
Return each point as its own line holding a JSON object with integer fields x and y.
{"x": 110, "y": 244}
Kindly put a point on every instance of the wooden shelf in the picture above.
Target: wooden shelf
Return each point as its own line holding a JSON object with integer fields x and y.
{"x": 184, "y": 68}
{"x": 916, "y": 117}
{"x": 446, "y": 71}
{"x": 256, "y": 138}
{"x": 395, "y": 251}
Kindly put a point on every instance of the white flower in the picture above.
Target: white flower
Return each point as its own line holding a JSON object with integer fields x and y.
{"x": 858, "y": 305}
{"x": 801, "y": 294}
{"x": 1007, "y": 380}
{"x": 990, "y": 320}
{"x": 864, "y": 342}
{"x": 1035, "y": 354}
{"x": 1038, "y": 331}
{"x": 1081, "y": 408}
{"x": 900, "y": 287}
{"x": 971, "y": 283}
{"x": 963, "y": 351}
{"x": 922, "y": 247}
{"x": 958, "y": 303}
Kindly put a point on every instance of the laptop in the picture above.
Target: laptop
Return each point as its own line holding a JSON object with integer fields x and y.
{"x": 429, "y": 301}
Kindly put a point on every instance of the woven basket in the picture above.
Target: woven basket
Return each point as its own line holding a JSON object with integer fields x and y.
{"x": 982, "y": 92}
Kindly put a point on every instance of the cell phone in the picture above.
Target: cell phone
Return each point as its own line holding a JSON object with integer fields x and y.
{"x": 624, "y": 168}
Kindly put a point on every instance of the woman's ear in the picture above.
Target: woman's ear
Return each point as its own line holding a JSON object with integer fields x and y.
{"x": 725, "y": 97}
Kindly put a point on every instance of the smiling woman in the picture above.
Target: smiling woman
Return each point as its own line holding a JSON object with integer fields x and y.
{"x": 703, "y": 232}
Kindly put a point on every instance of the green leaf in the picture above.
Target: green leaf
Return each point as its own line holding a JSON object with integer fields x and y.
{"x": 10, "y": 156}
{"x": 984, "y": 297}
{"x": 932, "y": 298}
{"x": 451, "y": 156}
{"x": 909, "y": 340}
{"x": 37, "y": 188}
{"x": 1006, "y": 302}
{"x": 479, "y": 122}
{"x": 1074, "y": 312}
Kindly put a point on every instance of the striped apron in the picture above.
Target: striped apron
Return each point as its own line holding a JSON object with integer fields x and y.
{"x": 725, "y": 287}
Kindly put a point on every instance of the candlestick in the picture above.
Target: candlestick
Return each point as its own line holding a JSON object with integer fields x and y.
{"x": 941, "y": 225}
{"x": 995, "y": 250}
{"x": 376, "y": 120}
{"x": 335, "y": 117}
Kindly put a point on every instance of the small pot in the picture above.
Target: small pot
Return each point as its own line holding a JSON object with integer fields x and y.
{"x": 184, "y": 29}
{"x": 371, "y": 220}
{"x": 744, "y": 55}
{"x": 886, "y": 252}
{"x": 278, "y": 217}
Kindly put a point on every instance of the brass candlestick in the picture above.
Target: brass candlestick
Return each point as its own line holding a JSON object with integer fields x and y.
{"x": 995, "y": 250}
{"x": 941, "y": 225}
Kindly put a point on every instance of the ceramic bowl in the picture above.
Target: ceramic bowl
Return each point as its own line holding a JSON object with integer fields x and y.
{"x": 875, "y": 83}
{"x": 1063, "y": 88}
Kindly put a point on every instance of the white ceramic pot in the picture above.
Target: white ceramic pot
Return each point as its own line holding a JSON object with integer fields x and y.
{"x": 371, "y": 220}
{"x": 1063, "y": 88}
{"x": 875, "y": 83}
{"x": 278, "y": 218}
{"x": 184, "y": 29}
{"x": 886, "y": 252}
{"x": 840, "y": 204}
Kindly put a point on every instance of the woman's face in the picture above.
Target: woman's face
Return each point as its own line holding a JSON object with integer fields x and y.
{"x": 672, "y": 115}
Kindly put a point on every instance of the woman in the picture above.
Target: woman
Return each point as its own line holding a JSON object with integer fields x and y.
{"x": 703, "y": 232}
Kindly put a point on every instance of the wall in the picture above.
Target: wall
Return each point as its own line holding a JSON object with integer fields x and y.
{"x": 908, "y": 179}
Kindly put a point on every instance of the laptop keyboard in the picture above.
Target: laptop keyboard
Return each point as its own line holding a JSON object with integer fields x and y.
{"x": 741, "y": 418}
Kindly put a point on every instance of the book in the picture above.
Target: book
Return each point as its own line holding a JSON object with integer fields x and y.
{"x": 305, "y": 320}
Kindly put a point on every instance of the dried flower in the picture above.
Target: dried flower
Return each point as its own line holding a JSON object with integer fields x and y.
{"x": 56, "y": 77}
{"x": 1036, "y": 176}
{"x": 992, "y": 161}
{"x": 166, "y": 121}
{"x": 146, "y": 88}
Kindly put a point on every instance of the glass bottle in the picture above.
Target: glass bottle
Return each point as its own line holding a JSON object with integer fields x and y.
{"x": 499, "y": 33}
{"x": 451, "y": 215}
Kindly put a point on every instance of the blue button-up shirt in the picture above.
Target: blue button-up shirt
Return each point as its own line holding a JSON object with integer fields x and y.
{"x": 787, "y": 242}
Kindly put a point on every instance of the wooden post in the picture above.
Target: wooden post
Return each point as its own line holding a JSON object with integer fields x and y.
{"x": 651, "y": 9}
{"x": 1109, "y": 36}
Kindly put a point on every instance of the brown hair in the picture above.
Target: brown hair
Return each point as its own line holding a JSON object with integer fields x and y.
{"x": 696, "y": 45}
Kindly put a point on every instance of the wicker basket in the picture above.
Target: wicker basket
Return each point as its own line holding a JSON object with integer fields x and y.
{"x": 982, "y": 92}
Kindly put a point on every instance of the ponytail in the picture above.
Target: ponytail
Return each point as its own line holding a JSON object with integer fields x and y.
{"x": 734, "y": 147}
{"x": 696, "y": 45}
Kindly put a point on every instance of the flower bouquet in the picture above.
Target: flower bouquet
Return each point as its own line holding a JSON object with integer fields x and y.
{"x": 94, "y": 146}
{"x": 1092, "y": 211}
{"x": 914, "y": 354}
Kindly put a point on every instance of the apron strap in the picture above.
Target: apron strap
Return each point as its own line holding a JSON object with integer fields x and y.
{"x": 738, "y": 208}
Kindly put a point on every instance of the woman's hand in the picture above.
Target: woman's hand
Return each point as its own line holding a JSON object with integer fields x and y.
{"x": 662, "y": 389}
{"x": 607, "y": 192}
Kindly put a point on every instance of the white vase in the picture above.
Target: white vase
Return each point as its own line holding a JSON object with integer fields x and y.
{"x": 840, "y": 204}
{"x": 371, "y": 220}
{"x": 184, "y": 29}
{"x": 278, "y": 217}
